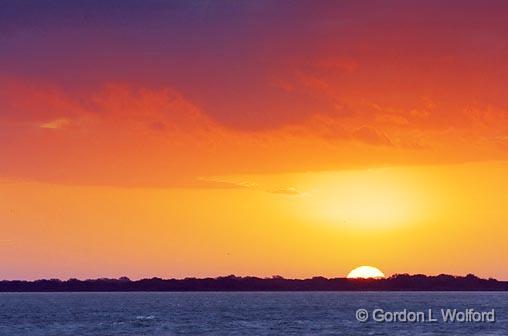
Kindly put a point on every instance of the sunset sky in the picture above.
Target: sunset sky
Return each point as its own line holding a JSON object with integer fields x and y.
{"x": 298, "y": 138}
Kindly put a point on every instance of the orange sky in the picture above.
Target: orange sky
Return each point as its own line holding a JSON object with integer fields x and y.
{"x": 253, "y": 139}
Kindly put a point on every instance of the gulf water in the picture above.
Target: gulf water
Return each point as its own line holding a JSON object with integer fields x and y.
{"x": 243, "y": 313}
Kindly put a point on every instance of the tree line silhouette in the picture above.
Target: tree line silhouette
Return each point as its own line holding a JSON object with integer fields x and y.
{"x": 399, "y": 282}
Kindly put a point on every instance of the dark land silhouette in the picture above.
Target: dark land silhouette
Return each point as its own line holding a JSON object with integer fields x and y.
{"x": 399, "y": 282}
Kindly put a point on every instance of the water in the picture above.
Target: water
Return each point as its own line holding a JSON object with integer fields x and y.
{"x": 253, "y": 313}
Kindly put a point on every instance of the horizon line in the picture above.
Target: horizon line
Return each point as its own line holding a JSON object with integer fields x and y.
{"x": 275, "y": 276}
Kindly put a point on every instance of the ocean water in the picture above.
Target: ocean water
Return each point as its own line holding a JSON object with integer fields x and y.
{"x": 251, "y": 313}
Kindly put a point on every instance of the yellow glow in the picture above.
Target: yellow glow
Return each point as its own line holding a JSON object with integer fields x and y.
{"x": 368, "y": 199}
{"x": 365, "y": 272}
{"x": 252, "y": 230}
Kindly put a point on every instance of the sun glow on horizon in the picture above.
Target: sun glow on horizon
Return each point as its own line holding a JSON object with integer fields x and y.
{"x": 365, "y": 272}
{"x": 377, "y": 198}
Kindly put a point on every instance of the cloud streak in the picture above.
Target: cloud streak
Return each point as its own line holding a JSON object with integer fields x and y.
{"x": 289, "y": 191}
{"x": 56, "y": 123}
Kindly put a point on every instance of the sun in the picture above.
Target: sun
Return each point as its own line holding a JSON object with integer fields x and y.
{"x": 365, "y": 272}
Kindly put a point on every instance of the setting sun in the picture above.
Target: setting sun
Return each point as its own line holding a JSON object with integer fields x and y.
{"x": 365, "y": 272}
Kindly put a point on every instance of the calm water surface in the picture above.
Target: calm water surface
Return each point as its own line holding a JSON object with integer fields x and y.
{"x": 253, "y": 313}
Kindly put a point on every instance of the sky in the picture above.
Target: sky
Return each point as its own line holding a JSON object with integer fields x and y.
{"x": 293, "y": 138}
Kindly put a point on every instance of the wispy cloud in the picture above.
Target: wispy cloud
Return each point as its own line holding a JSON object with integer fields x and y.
{"x": 244, "y": 184}
{"x": 290, "y": 191}
{"x": 56, "y": 123}
{"x": 225, "y": 183}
